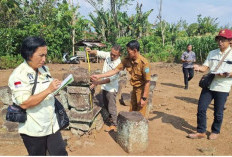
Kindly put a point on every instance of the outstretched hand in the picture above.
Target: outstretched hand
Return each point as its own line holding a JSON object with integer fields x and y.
{"x": 87, "y": 49}
{"x": 196, "y": 67}
{"x": 93, "y": 85}
{"x": 94, "y": 77}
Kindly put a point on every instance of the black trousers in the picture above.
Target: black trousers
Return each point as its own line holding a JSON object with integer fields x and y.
{"x": 188, "y": 75}
{"x": 219, "y": 101}
{"x": 37, "y": 146}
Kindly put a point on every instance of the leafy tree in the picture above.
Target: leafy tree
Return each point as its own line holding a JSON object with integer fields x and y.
{"x": 207, "y": 25}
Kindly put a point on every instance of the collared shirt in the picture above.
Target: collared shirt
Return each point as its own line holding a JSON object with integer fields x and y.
{"x": 139, "y": 70}
{"x": 41, "y": 119}
{"x": 188, "y": 56}
{"x": 220, "y": 84}
{"x": 112, "y": 86}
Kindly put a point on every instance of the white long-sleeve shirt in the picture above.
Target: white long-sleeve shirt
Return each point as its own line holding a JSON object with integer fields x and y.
{"x": 112, "y": 86}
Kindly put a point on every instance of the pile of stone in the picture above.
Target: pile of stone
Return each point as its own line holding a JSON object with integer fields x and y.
{"x": 78, "y": 100}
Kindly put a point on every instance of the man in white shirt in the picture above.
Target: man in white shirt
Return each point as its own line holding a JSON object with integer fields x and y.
{"x": 109, "y": 85}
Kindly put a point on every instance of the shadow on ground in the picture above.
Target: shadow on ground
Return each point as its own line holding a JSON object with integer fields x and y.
{"x": 176, "y": 122}
{"x": 187, "y": 99}
{"x": 192, "y": 100}
{"x": 172, "y": 85}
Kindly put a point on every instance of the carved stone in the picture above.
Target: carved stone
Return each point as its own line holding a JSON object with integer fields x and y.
{"x": 132, "y": 132}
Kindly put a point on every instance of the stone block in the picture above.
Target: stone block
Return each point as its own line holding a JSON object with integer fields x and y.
{"x": 98, "y": 123}
{"x": 154, "y": 77}
{"x": 5, "y": 95}
{"x": 132, "y": 132}
{"x": 79, "y": 102}
{"x": 121, "y": 85}
{"x": 122, "y": 73}
{"x": 84, "y": 116}
{"x": 81, "y": 76}
{"x": 78, "y": 90}
{"x": 152, "y": 86}
{"x": 77, "y": 132}
{"x": 63, "y": 98}
{"x": 80, "y": 126}
{"x": 125, "y": 99}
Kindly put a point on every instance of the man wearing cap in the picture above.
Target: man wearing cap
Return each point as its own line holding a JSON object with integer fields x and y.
{"x": 219, "y": 88}
{"x": 139, "y": 69}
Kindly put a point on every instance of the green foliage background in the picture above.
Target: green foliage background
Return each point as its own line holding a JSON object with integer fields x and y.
{"x": 55, "y": 21}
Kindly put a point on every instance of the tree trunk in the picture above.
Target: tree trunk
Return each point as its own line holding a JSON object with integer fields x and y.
{"x": 162, "y": 27}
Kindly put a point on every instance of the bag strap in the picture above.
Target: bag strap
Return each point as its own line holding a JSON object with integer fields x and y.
{"x": 35, "y": 82}
{"x": 46, "y": 71}
{"x": 223, "y": 58}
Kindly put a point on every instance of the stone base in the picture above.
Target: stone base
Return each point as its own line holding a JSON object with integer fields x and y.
{"x": 132, "y": 132}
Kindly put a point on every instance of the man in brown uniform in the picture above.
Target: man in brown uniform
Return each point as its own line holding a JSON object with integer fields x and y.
{"x": 139, "y": 69}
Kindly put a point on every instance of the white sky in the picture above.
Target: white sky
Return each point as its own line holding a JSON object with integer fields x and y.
{"x": 174, "y": 10}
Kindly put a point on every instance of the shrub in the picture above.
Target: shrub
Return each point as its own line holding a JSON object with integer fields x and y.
{"x": 10, "y": 61}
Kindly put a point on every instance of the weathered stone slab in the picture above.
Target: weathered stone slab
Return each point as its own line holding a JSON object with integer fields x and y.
{"x": 121, "y": 85}
{"x": 78, "y": 90}
{"x": 63, "y": 98}
{"x": 5, "y": 95}
{"x": 79, "y": 102}
{"x": 122, "y": 73}
{"x": 77, "y": 132}
{"x": 84, "y": 116}
{"x": 80, "y": 126}
{"x": 125, "y": 99}
{"x": 132, "y": 132}
{"x": 98, "y": 122}
{"x": 81, "y": 76}
{"x": 154, "y": 77}
{"x": 152, "y": 86}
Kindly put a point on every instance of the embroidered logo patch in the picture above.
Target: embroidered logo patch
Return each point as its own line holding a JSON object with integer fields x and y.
{"x": 146, "y": 70}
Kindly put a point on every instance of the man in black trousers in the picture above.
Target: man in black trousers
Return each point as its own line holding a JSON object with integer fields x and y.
{"x": 188, "y": 58}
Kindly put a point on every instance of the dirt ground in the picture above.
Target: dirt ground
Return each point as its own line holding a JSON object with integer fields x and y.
{"x": 173, "y": 116}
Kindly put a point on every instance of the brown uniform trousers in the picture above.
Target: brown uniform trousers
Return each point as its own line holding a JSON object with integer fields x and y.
{"x": 136, "y": 95}
{"x": 140, "y": 73}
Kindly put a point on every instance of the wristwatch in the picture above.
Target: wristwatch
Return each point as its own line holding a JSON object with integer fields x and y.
{"x": 144, "y": 98}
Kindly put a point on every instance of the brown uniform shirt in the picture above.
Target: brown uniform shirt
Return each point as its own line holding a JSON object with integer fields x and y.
{"x": 139, "y": 70}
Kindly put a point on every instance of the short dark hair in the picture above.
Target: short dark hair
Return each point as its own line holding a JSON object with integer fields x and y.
{"x": 117, "y": 48}
{"x": 189, "y": 45}
{"x": 29, "y": 46}
{"x": 133, "y": 44}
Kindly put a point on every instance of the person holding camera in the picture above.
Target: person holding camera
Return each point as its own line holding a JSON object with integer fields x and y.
{"x": 219, "y": 59}
{"x": 32, "y": 87}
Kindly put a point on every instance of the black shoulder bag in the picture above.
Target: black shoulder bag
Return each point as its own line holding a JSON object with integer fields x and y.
{"x": 15, "y": 113}
{"x": 61, "y": 114}
{"x": 207, "y": 79}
